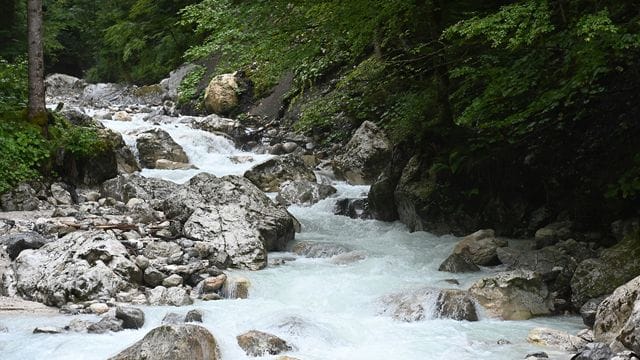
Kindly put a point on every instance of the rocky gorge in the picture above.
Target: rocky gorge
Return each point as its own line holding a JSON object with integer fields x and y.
{"x": 175, "y": 215}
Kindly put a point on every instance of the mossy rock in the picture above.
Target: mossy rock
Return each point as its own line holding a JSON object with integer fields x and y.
{"x": 616, "y": 266}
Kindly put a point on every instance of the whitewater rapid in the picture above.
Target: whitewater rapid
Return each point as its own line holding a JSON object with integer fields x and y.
{"x": 324, "y": 310}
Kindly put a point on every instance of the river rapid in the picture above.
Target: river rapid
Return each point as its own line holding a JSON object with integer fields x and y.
{"x": 324, "y": 310}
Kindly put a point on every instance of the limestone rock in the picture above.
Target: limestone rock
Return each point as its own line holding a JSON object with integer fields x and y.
{"x": 216, "y": 124}
{"x": 552, "y": 233}
{"x": 174, "y": 296}
{"x": 15, "y": 243}
{"x": 365, "y": 155}
{"x": 303, "y": 192}
{"x": 126, "y": 187}
{"x": 222, "y": 95}
{"x": 314, "y": 249}
{"x": 258, "y": 343}
{"x": 21, "y": 198}
{"x": 157, "y": 144}
{"x": 457, "y": 263}
{"x": 173, "y": 342}
{"x": 271, "y": 174}
{"x": 429, "y": 303}
{"x": 78, "y": 267}
{"x": 105, "y": 325}
{"x": 60, "y": 194}
{"x": 480, "y": 247}
{"x": 555, "y": 338}
{"x": 357, "y": 208}
{"x": 165, "y": 164}
{"x": 236, "y": 288}
{"x": 594, "y": 351}
{"x": 513, "y": 295}
{"x": 618, "y": 316}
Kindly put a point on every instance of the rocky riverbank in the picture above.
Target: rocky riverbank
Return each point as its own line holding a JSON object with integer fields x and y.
{"x": 107, "y": 240}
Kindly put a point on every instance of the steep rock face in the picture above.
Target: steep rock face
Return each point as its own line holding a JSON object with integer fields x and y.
{"x": 601, "y": 276}
{"x": 173, "y": 342}
{"x": 365, "y": 156}
{"x": 80, "y": 266}
{"x": 513, "y": 295}
{"x": 618, "y": 317}
{"x": 234, "y": 216}
{"x": 271, "y": 174}
{"x": 157, "y": 144}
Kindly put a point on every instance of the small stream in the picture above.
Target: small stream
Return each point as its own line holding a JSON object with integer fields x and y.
{"x": 326, "y": 311}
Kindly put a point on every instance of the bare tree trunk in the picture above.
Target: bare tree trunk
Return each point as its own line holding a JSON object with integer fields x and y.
{"x": 37, "y": 109}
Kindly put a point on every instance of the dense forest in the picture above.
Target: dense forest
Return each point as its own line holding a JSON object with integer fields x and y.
{"x": 506, "y": 108}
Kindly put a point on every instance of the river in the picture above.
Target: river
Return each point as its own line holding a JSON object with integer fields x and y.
{"x": 324, "y": 310}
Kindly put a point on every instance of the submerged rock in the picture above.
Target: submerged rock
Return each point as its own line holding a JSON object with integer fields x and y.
{"x": 425, "y": 303}
{"x": 353, "y": 208}
{"x": 258, "y": 343}
{"x": 173, "y": 342}
{"x": 555, "y": 338}
{"x": 314, "y": 249}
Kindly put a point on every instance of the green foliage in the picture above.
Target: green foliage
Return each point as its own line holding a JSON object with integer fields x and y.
{"x": 188, "y": 89}
{"x": 628, "y": 185}
{"x": 13, "y": 85}
{"x": 22, "y": 150}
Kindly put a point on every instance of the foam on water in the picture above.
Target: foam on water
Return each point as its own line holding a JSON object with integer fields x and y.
{"x": 326, "y": 311}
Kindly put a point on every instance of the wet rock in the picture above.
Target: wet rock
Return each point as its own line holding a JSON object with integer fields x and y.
{"x": 194, "y": 316}
{"x": 21, "y": 198}
{"x": 425, "y": 303}
{"x": 618, "y": 317}
{"x": 237, "y": 220}
{"x": 353, "y": 208}
{"x": 271, "y": 174}
{"x": 157, "y": 144}
{"x": 132, "y": 318}
{"x": 349, "y": 257}
{"x": 480, "y": 247}
{"x": 172, "y": 318}
{"x": 173, "y": 342}
{"x": 213, "y": 284}
{"x": 222, "y": 95}
{"x": 165, "y": 164}
{"x": 589, "y": 309}
{"x": 16, "y": 243}
{"x": 216, "y": 124}
{"x": 80, "y": 266}
{"x": 78, "y": 325}
{"x": 48, "y": 330}
{"x": 105, "y": 325}
{"x": 236, "y": 288}
{"x": 258, "y": 343}
{"x": 555, "y": 338}
{"x": 3, "y": 329}
{"x": 536, "y": 355}
{"x": 553, "y": 233}
{"x": 513, "y": 295}
{"x": 365, "y": 156}
{"x": 121, "y": 116}
{"x": 616, "y": 266}
{"x": 314, "y": 249}
{"x": 303, "y": 192}
{"x": 594, "y": 351}
{"x": 457, "y": 263}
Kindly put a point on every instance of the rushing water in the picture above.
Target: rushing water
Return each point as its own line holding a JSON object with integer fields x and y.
{"x": 326, "y": 311}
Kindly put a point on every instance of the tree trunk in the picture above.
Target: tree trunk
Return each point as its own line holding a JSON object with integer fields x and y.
{"x": 37, "y": 110}
{"x": 445, "y": 116}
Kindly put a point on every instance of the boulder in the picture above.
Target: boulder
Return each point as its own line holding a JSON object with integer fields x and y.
{"x": 61, "y": 87}
{"x": 258, "y": 343}
{"x": 618, "y": 317}
{"x": 84, "y": 265}
{"x": 223, "y": 94}
{"x": 314, "y": 249}
{"x": 365, "y": 156}
{"x": 172, "y": 318}
{"x": 173, "y": 342}
{"x": 457, "y": 263}
{"x": 21, "y": 198}
{"x": 236, "y": 288}
{"x": 194, "y": 316}
{"x": 232, "y": 215}
{"x": 99, "y": 308}
{"x": 589, "y": 309}
{"x": 430, "y": 303}
{"x": 555, "y": 338}
{"x": 16, "y": 243}
{"x": 594, "y": 351}
{"x": 601, "y": 276}
{"x": 60, "y": 194}
{"x": 513, "y": 295}
{"x": 174, "y": 296}
{"x": 303, "y": 192}
{"x": 354, "y": 208}
{"x": 165, "y": 164}
{"x": 213, "y": 284}
{"x": 553, "y": 233}
{"x": 107, "y": 324}
{"x": 216, "y": 124}
{"x": 157, "y": 144}
{"x": 172, "y": 280}
{"x": 171, "y": 84}
{"x": 480, "y": 247}
{"x": 126, "y": 187}
{"x": 132, "y": 318}
{"x": 271, "y": 174}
